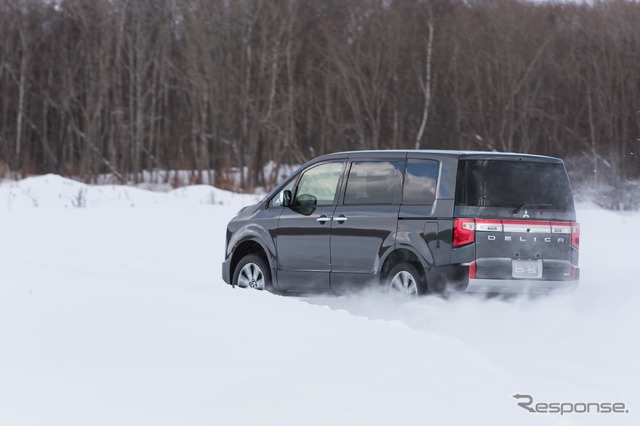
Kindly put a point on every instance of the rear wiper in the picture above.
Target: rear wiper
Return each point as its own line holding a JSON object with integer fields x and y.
{"x": 532, "y": 206}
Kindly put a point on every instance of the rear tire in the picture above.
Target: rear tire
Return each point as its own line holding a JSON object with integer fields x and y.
{"x": 252, "y": 272}
{"x": 404, "y": 279}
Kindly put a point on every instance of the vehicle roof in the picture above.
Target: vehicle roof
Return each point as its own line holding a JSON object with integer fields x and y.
{"x": 444, "y": 152}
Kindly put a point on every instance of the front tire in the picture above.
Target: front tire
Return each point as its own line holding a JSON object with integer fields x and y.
{"x": 405, "y": 280}
{"x": 252, "y": 272}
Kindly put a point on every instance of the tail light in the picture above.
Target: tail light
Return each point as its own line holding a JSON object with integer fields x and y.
{"x": 575, "y": 235}
{"x": 463, "y": 232}
{"x": 561, "y": 227}
{"x": 489, "y": 225}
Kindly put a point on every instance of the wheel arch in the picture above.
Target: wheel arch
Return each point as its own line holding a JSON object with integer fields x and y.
{"x": 403, "y": 254}
{"x": 247, "y": 247}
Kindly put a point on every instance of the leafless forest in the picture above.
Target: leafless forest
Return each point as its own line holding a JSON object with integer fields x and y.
{"x": 89, "y": 87}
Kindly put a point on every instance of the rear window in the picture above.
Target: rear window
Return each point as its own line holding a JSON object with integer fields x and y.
{"x": 513, "y": 184}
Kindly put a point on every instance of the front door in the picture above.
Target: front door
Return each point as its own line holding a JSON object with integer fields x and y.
{"x": 304, "y": 232}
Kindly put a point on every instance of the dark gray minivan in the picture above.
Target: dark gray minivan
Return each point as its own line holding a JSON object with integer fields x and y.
{"x": 413, "y": 222}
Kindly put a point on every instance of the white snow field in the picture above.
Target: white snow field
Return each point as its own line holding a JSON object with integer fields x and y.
{"x": 113, "y": 312}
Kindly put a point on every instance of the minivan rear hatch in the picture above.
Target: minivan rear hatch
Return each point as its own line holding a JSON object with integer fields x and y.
{"x": 518, "y": 213}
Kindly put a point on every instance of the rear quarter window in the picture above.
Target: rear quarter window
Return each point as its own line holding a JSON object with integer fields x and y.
{"x": 420, "y": 182}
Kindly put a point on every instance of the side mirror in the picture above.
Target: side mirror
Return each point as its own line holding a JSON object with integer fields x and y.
{"x": 305, "y": 204}
{"x": 286, "y": 198}
{"x": 306, "y": 200}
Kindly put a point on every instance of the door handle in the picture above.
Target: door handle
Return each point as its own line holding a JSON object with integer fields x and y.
{"x": 323, "y": 219}
{"x": 341, "y": 219}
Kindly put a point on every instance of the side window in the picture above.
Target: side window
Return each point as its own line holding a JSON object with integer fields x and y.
{"x": 276, "y": 201}
{"x": 373, "y": 182}
{"x": 319, "y": 184}
{"x": 420, "y": 182}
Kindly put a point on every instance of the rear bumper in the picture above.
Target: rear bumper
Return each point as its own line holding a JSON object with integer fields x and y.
{"x": 520, "y": 286}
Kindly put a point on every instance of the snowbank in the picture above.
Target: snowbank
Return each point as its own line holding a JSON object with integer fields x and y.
{"x": 112, "y": 315}
{"x": 53, "y": 191}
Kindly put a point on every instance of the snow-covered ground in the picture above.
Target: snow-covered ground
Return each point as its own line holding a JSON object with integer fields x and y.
{"x": 113, "y": 312}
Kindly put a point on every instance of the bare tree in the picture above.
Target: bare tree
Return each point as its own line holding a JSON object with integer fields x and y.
{"x": 124, "y": 88}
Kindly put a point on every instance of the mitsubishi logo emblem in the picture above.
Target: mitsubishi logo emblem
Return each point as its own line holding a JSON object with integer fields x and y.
{"x": 526, "y": 214}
